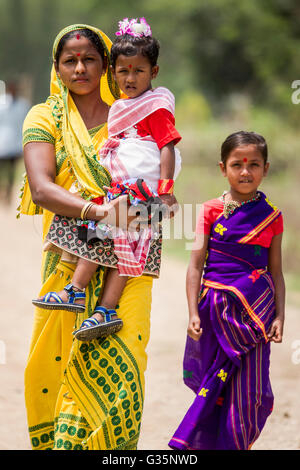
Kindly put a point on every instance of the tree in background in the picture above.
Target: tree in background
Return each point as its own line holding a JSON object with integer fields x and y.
{"x": 218, "y": 47}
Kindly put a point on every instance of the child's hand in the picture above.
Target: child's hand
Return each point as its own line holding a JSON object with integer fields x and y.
{"x": 194, "y": 330}
{"x": 276, "y": 330}
{"x": 171, "y": 201}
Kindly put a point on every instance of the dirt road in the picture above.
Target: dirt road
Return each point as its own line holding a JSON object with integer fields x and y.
{"x": 166, "y": 397}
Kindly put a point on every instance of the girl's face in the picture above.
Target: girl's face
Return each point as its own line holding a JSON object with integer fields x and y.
{"x": 80, "y": 66}
{"x": 133, "y": 74}
{"x": 244, "y": 169}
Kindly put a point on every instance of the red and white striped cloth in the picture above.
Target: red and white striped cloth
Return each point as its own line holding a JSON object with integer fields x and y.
{"x": 133, "y": 157}
{"x": 130, "y": 155}
{"x": 132, "y": 252}
{"x": 125, "y": 113}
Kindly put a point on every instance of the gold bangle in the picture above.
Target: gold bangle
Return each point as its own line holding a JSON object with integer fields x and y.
{"x": 88, "y": 208}
{"x": 85, "y": 210}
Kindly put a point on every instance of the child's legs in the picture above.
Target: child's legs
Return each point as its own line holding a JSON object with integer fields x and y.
{"x": 83, "y": 273}
{"x": 113, "y": 288}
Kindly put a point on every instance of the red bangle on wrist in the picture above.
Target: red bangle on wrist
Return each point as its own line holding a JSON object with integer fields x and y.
{"x": 165, "y": 186}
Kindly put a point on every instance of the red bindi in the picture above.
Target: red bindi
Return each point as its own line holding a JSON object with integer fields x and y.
{"x": 130, "y": 66}
{"x": 78, "y": 36}
{"x": 78, "y": 54}
{"x": 245, "y": 160}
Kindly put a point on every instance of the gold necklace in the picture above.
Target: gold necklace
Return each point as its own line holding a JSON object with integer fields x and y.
{"x": 231, "y": 206}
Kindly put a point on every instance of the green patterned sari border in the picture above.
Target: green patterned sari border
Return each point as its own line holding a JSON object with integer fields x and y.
{"x": 34, "y": 134}
{"x": 41, "y": 426}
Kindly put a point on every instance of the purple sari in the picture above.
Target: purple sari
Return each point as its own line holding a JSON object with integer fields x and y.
{"x": 228, "y": 368}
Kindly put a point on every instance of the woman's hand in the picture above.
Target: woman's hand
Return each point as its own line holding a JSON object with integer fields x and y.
{"x": 194, "y": 330}
{"x": 275, "y": 332}
{"x": 118, "y": 213}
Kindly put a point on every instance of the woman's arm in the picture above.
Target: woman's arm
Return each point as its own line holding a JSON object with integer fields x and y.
{"x": 40, "y": 164}
{"x": 193, "y": 283}
{"x": 275, "y": 267}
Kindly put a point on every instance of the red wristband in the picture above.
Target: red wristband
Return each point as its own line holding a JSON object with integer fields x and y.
{"x": 165, "y": 187}
{"x": 98, "y": 200}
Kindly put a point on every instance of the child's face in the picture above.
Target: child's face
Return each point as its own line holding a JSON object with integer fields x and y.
{"x": 133, "y": 74}
{"x": 245, "y": 169}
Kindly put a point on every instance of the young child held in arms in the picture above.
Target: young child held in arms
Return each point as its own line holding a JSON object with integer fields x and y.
{"x": 236, "y": 298}
{"x": 141, "y": 157}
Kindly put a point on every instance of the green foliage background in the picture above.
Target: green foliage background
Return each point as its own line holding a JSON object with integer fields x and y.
{"x": 230, "y": 64}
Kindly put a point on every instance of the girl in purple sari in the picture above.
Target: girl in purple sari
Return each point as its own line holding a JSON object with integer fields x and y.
{"x": 240, "y": 309}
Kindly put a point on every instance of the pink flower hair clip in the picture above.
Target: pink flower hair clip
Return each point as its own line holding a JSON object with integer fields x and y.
{"x": 133, "y": 28}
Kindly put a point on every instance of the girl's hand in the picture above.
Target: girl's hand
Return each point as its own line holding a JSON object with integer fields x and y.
{"x": 170, "y": 201}
{"x": 194, "y": 331}
{"x": 276, "y": 330}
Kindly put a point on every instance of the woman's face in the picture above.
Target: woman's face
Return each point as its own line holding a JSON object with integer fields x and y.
{"x": 80, "y": 66}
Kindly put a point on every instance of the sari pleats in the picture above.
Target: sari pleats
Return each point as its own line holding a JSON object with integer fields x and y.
{"x": 88, "y": 395}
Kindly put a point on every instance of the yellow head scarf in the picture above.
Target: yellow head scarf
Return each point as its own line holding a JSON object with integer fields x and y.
{"x": 85, "y": 169}
{"x": 89, "y": 174}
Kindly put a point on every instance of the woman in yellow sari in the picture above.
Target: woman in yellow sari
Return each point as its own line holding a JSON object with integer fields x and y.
{"x": 79, "y": 395}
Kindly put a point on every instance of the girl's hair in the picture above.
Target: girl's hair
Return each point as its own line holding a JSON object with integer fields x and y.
{"x": 129, "y": 46}
{"x": 87, "y": 33}
{"x": 241, "y": 138}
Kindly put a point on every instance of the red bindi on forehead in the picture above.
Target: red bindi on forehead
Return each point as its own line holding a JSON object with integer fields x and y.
{"x": 78, "y": 36}
{"x": 130, "y": 66}
{"x": 245, "y": 160}
{"x": 78, "y": 54}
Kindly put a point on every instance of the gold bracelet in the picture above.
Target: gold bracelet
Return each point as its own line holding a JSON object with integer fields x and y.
{"x": 85, "y": 210}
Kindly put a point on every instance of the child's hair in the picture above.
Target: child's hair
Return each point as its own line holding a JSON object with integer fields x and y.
{"x": 129, "y": 45}
{"x": 87, "y": 33}
{"x": 241, "y": 138}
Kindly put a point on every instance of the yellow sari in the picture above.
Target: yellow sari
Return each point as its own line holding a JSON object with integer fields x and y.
{"x": 81, "y": 395}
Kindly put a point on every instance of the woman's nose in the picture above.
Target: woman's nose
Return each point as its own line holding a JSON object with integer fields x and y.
{"x": 80, "y": 67}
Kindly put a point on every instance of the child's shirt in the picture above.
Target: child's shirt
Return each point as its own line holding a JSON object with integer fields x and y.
{"x": 161, "y": 126}
{"x": 213, "y": 208}
{"x": 137, "y": 130}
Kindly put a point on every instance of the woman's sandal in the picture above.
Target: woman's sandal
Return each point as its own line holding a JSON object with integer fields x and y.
{"x": 93, "y": 328}
{"x": 59, "y": 304}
